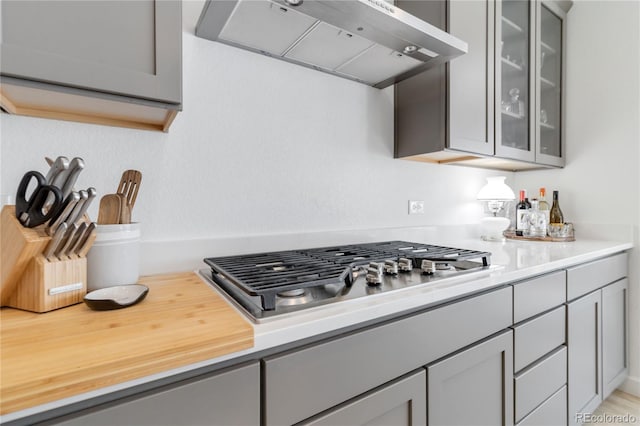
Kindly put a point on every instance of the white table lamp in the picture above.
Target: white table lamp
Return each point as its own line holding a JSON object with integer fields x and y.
{"x": 496, "y": 194}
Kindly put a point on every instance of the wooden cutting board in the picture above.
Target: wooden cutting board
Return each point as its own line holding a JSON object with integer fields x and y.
{"x": 46, "y": 357}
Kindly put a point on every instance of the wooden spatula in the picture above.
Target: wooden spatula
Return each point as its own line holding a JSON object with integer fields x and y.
{"x": 129, "y": 185}
{"x": 110, "y": 209}
{"x": 125, "y": 210}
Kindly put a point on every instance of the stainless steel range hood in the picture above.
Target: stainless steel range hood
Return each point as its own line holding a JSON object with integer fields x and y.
{"x": 369, "y": 41}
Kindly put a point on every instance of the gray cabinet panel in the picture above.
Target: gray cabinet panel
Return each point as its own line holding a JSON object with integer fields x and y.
{"x": 585, "y": 278}
{"x": 534, "y": 385}
{"x": 470, "y": 80}
{"x": 308, "y": 381}
{"x": 473, "y": 387}
{"x": 401, "y": 403}
{"x": 553, "y": 412}
{"x": 537, "y": 295}
{"x": 614, "y": 333}
{"x": 229, "y": 398}
{"x": 537, "y": 337}
{"x": 584, "y": 342}
{"x": 132, "y": 48}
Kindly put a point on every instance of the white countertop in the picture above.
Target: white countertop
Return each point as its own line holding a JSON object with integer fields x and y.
{"x": 515, "y": 260}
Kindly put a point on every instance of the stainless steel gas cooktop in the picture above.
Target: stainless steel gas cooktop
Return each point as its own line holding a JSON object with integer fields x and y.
{"x": 266, "y": 285}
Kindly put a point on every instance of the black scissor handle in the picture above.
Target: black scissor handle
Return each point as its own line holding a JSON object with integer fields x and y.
{"x": 30, "y": 211}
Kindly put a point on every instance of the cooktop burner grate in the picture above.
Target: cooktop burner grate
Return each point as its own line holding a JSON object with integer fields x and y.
{"x": 269, "y": 274}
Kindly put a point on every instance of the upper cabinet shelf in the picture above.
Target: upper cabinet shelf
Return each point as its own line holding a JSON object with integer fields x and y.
{"x": 111, "y": 62}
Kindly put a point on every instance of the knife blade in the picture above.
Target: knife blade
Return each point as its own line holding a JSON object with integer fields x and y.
{"x": 68, "y": 206}
{"x": 55, "y": 242}
{"x": 75, "y": 167}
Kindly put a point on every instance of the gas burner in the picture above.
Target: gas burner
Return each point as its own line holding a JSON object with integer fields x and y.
{"x": 271, "y": 284}
{"x": 296, "y": 292}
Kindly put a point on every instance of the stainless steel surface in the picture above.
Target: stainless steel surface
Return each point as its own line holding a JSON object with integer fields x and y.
{"x": 71, "y": 202}
{"x": 60, "y": 164}
{"x": 75, "y": 167}
{"x": 84, "y": 239}
{"x": 67, "y": 241}
{"x": 55, "y": 241}
{"x": 369, "y": 41}
{"x": 269, "y": 285}
{"x": 73, "y": 246}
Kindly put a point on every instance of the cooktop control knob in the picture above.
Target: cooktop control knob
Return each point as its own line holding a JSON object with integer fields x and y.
{"x": 374, "y": 274}
{"x": 391, "y": 267}
{"x": 428, "y": 267}
{"x": 405, "y": 265}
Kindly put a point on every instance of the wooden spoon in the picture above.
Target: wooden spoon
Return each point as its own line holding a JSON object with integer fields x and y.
{"x": 129, "y": 185}
{"x": 110, "y": 209}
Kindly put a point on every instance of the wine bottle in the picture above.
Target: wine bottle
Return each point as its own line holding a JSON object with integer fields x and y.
{"x": 521, "y": 213}
{"x": 555, "y": 214}
{"x": 543, "y": 206}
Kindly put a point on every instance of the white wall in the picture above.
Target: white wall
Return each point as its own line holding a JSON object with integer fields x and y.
{"x": 262, "y": 146}
{"x": 601, "y": 181}
{"x": 265, "y": 147}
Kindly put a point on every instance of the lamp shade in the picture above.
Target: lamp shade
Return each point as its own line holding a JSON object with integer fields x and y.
{"x": 496, "y": 189}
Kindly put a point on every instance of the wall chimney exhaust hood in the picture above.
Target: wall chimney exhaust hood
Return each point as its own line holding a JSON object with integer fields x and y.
{"x": 369, "y": 41}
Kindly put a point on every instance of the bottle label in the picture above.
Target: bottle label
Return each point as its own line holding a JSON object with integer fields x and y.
{"x": 521, "y": 220}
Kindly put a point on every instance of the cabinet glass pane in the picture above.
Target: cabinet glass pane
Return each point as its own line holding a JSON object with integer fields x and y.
{"x": 550, "y": 82}
{"x": 514, "y": 84}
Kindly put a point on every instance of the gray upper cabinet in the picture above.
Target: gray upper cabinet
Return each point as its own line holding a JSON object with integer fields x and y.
{"x": 499, "y": 106}
{"x": 116, "y": 61}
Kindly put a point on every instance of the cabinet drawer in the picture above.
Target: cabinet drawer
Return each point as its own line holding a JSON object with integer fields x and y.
{"x": 535, "y": 338}
{"x": 540, "y": 294}
{"x": 228, "y": 398}
{"x": 552, "y": 412}
{"x": 585, "y": 278}
{"x": 303, "y": 383}
{"x": 537, "y": 383}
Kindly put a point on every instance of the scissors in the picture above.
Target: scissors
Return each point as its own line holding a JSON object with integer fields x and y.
{"x": 30, "y": 211}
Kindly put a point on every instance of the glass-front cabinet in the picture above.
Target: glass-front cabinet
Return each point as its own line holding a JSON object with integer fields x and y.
{"x": 515, "y": 89}
{"x": 529, "y": 76}
{"x": 550, "y": 84}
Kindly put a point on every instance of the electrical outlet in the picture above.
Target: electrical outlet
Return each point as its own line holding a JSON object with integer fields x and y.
{"x": 416, "y": 207}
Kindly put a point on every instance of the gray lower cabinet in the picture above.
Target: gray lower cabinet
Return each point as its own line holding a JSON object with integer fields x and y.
{"x": 473, "y": 387}
{"x": 400, "y": 403}
{"x": 584, "y": 340}
{"x": 596, "y": 332}
{"x": 306, "y": 382}
{"x": 226, "y": 399}
{"x": 614, "y": 336}
{"x": 105, "y": 61}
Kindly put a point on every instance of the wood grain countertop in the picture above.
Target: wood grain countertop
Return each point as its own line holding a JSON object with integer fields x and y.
{"x": 62, "y": 353}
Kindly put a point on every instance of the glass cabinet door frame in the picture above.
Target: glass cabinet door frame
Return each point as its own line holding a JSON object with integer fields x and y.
{"x": 502, "y": 150}
{"x": 541, "y": 157}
